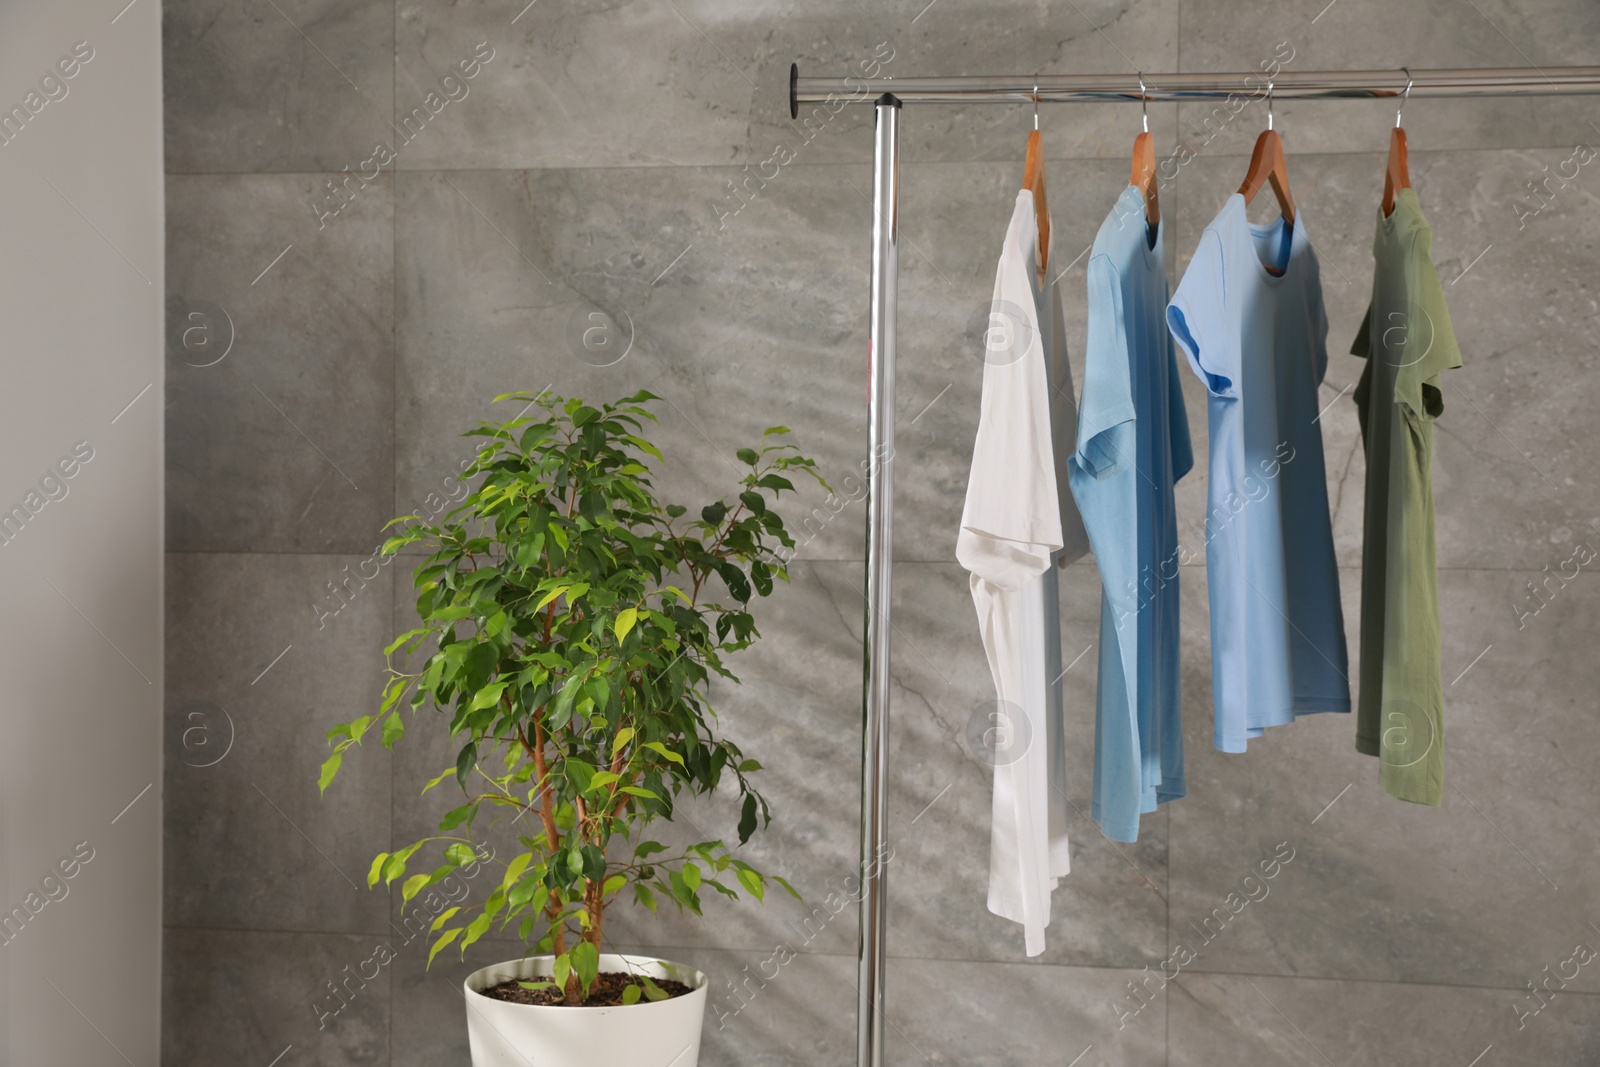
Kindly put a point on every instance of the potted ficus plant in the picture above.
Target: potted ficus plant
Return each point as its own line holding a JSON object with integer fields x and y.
{"x": 570, "y": 625}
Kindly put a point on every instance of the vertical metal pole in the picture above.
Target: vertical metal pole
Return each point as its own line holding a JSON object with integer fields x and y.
{"x": 880, "y": 565}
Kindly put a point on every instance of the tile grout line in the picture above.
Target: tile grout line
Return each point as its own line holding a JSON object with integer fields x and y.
{"x": 366, "y": 551}
{"x": 864, "y": 162}
{"x": 394, "y": 440}
{"x": 846, "y": 954}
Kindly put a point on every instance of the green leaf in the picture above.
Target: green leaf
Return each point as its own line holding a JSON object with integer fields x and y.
{"x": 586, "y": 961}
{"x": 330, "y": 767}
{"x": 664, "y": 752}
{"x": 460, "y": 853}
{"x": 691, "y": 875}
{"x": 653, "y": 991}
{"x": 394, "y": 728}
{"x": 560, "y": 969}
{"x": 395, "y": 865}
{"x": 754, "y": 501}
{"x": 640, "y": 443}
{"x": 748, "y": 455}
{"x": 454, "y": 818}
{"x": 625, "y": 620}
{"x": 444, "y": 917}
{"x": 552, "y": 595}
{"x": 645, "y": 896}
{"x": 515, "y": 868}
{"x": 579, "y": 773}
{"x": 465, "y": 761}
{"x": 752, "y": 882}
{"x": 413, "y": 886}
{"x": 594, "y": 863}
{"x": 714, "y": 513}
{"x": 624, "y": 735}
{"x": 563, "y": 703}
{"x": 747, "y": 818}
{"x": 475, "y": 929}
{"x": 488, "y": 696}
{"x": 402, "y": 639}
{"x": 526, "y": 890}
{"x": 377, "y": 869}
{"x": 494, "y": 624}
{"x": 439, "y": 945}
{"x": 631, "y": 995}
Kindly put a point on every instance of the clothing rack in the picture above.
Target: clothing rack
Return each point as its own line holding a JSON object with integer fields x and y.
{"x": 887, "y": 95}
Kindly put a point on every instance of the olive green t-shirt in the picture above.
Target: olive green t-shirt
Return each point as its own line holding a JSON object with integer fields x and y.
{"x": 1407, "y": 342}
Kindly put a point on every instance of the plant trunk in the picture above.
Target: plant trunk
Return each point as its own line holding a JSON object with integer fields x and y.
{"x": 597, "y": 906}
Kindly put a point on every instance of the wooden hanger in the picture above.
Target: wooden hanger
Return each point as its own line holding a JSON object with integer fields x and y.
{"x": 1143, "y": 174}
{"x": 1268, "y": 166}
{"x": 1396, "y": 173}
{"x": 1033, "y": 182}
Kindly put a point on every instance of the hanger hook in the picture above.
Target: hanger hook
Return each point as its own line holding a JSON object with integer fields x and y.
{"x": 1036, "y": 105}
{"x": 1144, "y": 104}
{"x": 1269, "y": 103}
{"x": 1403, "y": 97}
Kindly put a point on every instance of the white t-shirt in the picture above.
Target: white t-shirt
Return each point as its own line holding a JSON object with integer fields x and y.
{"x": 1018, "y": 520}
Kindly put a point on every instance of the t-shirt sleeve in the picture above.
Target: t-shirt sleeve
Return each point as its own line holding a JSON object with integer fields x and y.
{"x": 1428, "y": 328}
{"x": 1012, "y": 519}
{"x": 1198, "y": 318}
{"x": 1105, "y": 445}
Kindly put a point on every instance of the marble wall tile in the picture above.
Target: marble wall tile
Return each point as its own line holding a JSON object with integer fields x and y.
{"x": 1273, "y": 1020}
{"x": 276, "y": 85}
{"x": 570, "y": 89}
{"x": 732, "y": 346}
{"x": 429, "y": 1021}
{"x": 238, "y": 994}
{"x": 1224, "y": 35}
{"x": 957, "y": 1012}
{"x": 252, "y": 688}
{"x": 283, "y": 441}
{"x": 1480, "y": 891}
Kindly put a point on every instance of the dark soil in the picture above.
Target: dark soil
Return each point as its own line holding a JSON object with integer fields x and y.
{"x": 606, "y": 991}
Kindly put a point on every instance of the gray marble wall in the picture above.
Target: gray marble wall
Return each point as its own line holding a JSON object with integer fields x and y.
{"x": 588, "y": 170}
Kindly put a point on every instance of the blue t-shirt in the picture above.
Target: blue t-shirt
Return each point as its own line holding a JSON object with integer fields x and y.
{"x": 1133, "y": 444}
{"x": 1258, "y": 342}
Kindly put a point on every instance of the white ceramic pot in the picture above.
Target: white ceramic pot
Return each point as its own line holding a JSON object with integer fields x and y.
{"x": 661, "y": 1033}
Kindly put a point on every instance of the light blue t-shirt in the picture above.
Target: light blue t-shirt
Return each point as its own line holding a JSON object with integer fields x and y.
{"x": 1258, "y": 342}
{"x": 1133, "y": 444}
